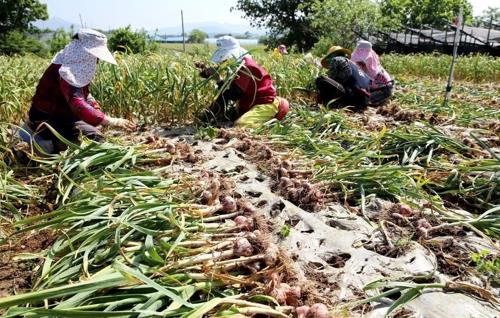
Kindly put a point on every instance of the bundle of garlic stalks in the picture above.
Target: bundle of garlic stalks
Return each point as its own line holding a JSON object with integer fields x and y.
{"x": 132, "y": 242}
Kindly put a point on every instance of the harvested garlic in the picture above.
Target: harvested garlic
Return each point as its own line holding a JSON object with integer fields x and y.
{"x": 242, "y": 247}
{"x": 319, "y": 311}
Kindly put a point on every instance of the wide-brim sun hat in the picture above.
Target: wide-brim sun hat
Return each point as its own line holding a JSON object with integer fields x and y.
{"x": 95, "y": 43}
{"x": 282, "y": 49}
{"x": 228, "y": 47}
{"x": 333, "y": 52}
{"x": 78, "y": 59}
{"x": 362, "y": 51}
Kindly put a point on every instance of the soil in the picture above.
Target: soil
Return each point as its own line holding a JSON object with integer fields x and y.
{"x": 17, "y": 275}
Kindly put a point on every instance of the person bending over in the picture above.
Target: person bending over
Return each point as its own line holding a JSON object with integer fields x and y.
{"x": 345, "y": 85}
{"x": 63, "y": 100}
{"x": 381, "y": 83}
{"x": 247, "y": 96}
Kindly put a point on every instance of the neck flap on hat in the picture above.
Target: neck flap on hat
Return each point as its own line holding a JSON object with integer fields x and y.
{"x": 373, "y": 64}
{"x": 78, "y": 66}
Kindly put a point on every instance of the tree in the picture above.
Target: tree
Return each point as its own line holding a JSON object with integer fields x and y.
{"x": 341, "y": 22}
{"x": 197, "y": 36}
{"x": 60, "y": 39}
{"x": 287, "y": 20}
{"x": 126, "y": 40}
{"x": 16, "y": 42}
{"x": 491, "y": 13}
{"x": 16, "y": 17}
{"x": 263, "y": 39}
{"x": 415, "y": 13}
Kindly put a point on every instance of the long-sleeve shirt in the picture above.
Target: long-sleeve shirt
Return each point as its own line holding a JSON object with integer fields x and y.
{"x": 65, "y": 103}
{"x": 255, "y": 84}
{"x": 379, "y": 79}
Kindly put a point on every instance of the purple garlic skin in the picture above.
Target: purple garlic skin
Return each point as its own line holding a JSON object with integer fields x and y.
{"x": 319, "y": 311}
{"x": 228, "y": 204}
{"x": 242, "y": 247}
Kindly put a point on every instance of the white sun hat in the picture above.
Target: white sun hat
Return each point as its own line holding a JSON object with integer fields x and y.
{"x": 228, "y": 47}
{"x": 95, "y": 43}
{"x": 79, "y": 58}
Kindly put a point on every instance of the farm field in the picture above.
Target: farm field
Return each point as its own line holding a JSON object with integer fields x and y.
{"x": 197, "y": 47}
{"x": 394, "y": 210}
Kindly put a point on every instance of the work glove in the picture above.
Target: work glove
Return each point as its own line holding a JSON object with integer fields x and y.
{"x": 210, "y": 72}
{"x": 120, "y": 123}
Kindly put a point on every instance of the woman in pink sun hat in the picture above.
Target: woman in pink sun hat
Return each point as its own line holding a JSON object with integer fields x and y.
{"x": 62, "y": 98}
{"x": 381, "y": 83}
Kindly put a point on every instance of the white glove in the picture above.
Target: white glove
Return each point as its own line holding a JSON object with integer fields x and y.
{"x": 119, "y": 122}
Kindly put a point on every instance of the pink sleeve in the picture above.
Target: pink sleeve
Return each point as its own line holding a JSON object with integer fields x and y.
{"x": 93, "y": 102}
{"x": 79, "y": 105}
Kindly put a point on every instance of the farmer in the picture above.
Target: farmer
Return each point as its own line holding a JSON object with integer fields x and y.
{"x": 62, "y": 98}
{"x": 345, "y": 85}
{"x": 247, "y": 84}
{"x": 280, "y": 50}
{"x": 381, "y": 82}
{"x": 334, "y": 51}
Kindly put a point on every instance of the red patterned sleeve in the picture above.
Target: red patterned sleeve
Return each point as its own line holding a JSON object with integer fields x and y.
{"x": 79, "y": 105}
{"x": 93, "y": 102}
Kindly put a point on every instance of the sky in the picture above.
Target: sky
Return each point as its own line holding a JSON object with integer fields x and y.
{"x": 480, "y": 5}
{"x": 152, "y": 14}
{"x": 147, "y": 14}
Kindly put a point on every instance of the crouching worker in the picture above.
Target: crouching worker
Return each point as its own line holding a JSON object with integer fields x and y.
{"x": 345, "y": 85}
{"x": 62, "y": 98}
{"x": 249, "y": 86}
{"x": 381, "y": 83}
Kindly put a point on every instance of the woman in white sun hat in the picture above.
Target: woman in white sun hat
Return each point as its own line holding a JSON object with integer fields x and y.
{"x": 251, "y": 87}
{"x": 381, "y": 83}
{"x": 62, "y": 98}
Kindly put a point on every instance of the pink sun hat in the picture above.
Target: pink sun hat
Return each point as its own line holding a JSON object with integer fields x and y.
{"x": 282, "y": 49}
{"x": 363, "y": 53}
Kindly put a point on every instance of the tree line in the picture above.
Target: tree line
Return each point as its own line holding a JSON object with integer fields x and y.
{"x": 317, "y": 24}
{"x": 301, "y": 24}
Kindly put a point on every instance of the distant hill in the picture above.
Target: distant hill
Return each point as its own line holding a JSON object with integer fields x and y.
{"x": 56, "y": 23}
{"x": 211, "y": 28}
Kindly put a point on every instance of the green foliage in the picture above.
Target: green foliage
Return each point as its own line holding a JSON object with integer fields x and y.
{"x": 284, "y": 231}
{"x": 15, "y": 21}
{"x": 126, "y": 40}
{"x": 414, "y": 13}
{"x": 59, "y": 40}
{"x": 492, "y": 14}
{"x": 287, "y": 20}
{"x": 197, "y": 36}
{"x": 18, "y": 14}
{"x": 357, "y": 16}
{"x": 151, "y": 88}
{"x": 474, "y": 68}
{"x": 17, "y": 42}
{"x": 263, "y": 39}
{"x": 487, "y": 263}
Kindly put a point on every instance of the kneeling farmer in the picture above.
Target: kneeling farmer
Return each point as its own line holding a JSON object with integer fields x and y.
{"x": 62, "y": 97}
{"x": 251, "y": 87}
